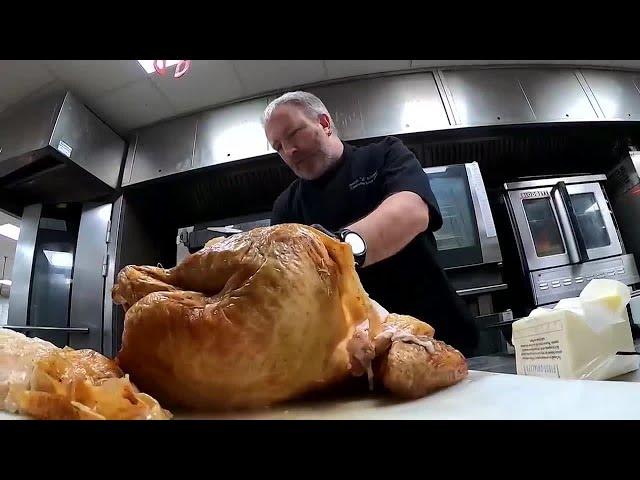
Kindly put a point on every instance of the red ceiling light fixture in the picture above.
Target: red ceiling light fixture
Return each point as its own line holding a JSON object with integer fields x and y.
{"x": 182, "y": 67}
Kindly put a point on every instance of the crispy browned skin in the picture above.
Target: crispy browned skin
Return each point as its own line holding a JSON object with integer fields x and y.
{"x": 46, "y": 382}
{"x": 256, "y": 318}
{"x": 406, "y": 358}
{"x": 368, "y": 343}
{"x": 410, "y": 370}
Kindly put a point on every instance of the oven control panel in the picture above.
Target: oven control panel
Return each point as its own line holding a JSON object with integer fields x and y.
{"x": 553, "y": 284}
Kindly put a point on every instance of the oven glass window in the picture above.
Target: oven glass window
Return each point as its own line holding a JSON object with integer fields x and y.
{"x": 458, "y": 240}
{"x": 590, "y": 220}
{"x": 544, "y": 227}
{"x": 458, "y": 221}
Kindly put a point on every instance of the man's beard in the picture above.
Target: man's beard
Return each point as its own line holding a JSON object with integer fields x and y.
{"x": 322, "y": 163}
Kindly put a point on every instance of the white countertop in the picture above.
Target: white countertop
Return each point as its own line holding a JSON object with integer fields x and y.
{"x": 483, "y": 395}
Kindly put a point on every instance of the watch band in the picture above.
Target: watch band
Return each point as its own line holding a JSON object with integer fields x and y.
{"x": 358, "y": 257}
{"x": 341, "y": 235}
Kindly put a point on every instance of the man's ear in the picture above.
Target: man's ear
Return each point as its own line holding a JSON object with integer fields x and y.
{"x": 325, "y": 121}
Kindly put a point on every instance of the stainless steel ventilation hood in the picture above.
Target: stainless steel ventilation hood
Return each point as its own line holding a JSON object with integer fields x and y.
{"x": 56, "y": 150}
{"x": 397, "y": 104}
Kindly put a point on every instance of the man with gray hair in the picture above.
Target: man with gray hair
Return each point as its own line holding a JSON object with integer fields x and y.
{"x": 378, "y": 199}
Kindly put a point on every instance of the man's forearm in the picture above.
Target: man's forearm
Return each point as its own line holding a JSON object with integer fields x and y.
{"x": 391, "y": 226}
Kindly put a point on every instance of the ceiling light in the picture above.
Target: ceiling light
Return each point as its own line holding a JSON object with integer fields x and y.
{"x": 10, "y": 231}
{"x": 59, "y": 259}
{"x": 5, "y": 282}
{"x": 148, "y": 64}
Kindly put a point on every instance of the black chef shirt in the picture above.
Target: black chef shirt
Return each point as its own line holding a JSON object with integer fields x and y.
{"x": 410, "y": 282}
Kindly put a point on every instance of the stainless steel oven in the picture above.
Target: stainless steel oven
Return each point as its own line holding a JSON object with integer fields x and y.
{"x": 468, "y": 234}
{"x": 469, "y": 250}
{"x": 624, "y": 188}
{"x": 59, "y": 274}
{"x": 193, "y": 238}
{"x": 566, "y": 235}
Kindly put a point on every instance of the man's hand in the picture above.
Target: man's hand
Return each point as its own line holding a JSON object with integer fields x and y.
{"x": 391, "y": 226}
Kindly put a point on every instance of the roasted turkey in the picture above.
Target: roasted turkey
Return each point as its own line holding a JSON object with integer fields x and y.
{"x": 254, "y": 319}
{"x": 266, "y": 316}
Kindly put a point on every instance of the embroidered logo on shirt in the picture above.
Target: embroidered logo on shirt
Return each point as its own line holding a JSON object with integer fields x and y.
{"x": 361, "y": 181}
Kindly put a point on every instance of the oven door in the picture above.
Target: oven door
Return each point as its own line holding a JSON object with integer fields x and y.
{"x": 468, "y": 235}
{"x": 458, "y": 239}
{"x": 60, "y": 264}
{"x": 537, "y": 218}
{"x": 596, "y": 233}
{"x": 564, "y": 224}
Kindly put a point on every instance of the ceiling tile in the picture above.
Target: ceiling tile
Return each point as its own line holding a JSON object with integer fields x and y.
{"x": 91, "y": 78}
{"x": 9, "y": 218}
{"x": 18, "y": 78}
{"x": 50, "y": 88}
{"x": 54, "y": 86}
{"x": 349, "y": 68}
{"x": 134, "y": 105}
{"x": 265, "y": 75}
{"x": 207, "y": 83}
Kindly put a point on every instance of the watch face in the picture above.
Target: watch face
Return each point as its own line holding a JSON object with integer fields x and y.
{"x": 356, "y": 242}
